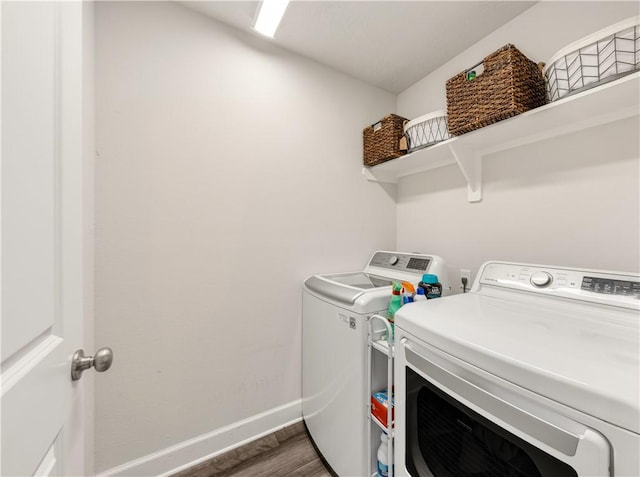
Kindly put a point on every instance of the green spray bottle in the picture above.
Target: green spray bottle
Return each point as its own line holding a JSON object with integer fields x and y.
{"x": 394, "y": 305}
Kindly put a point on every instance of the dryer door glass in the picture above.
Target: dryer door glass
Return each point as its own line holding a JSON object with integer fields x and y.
{"x": 454, "y": 441}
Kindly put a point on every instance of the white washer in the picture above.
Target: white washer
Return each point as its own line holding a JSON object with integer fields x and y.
{"x": 537, "y": 368}
{"x": 335, "y": 312}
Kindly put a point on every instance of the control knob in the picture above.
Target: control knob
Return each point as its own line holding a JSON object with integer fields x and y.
{"x": 541, "y": 279}
{"x": 393, "y": 260}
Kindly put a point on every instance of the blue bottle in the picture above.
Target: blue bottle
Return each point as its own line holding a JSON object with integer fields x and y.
{"x": 420, "y": 296}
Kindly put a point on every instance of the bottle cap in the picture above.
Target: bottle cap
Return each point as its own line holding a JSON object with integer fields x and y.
{"x": 429, "y": 278}
{"x": 408, "y": 287}
{"x": 420, "y": 291}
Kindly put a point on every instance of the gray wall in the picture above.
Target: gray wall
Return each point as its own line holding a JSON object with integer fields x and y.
{"x": 572, "y": 200}
{"x": 228, "y": 170}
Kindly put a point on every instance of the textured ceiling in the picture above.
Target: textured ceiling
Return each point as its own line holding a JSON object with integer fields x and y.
{"x": 389, "y": 44}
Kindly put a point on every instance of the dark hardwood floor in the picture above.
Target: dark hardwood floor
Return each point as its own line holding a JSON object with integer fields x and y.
{"x": 287, "y": 452}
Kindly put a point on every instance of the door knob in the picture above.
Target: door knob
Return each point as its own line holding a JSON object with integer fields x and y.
{"x": 101, "y": 361}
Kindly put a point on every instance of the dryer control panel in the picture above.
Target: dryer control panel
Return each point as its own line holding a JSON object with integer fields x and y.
{"x": 588, "y": 285}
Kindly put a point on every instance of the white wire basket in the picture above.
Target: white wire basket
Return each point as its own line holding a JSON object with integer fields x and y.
{"x": 426, "y": 130}
{"x": 596, "y": 59}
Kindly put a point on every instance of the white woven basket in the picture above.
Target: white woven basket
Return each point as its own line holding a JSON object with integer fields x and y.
{"x": 596, "y": 59}
{"x": 426, "y": 130}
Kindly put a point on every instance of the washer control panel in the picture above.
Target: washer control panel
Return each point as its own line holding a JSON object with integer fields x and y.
{"x": 408, "y": 262}
{"x": 587, "y": 285}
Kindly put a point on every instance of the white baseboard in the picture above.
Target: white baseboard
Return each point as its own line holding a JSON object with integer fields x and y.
{"x": 189, "y": 453}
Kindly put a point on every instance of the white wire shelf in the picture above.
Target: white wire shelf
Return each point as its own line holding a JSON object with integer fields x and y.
{"x": 390, "y": 430}
{"x": 597, "y": 106}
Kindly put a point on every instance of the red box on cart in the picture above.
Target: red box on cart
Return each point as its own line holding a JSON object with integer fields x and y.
{"x": 379, "y": 406}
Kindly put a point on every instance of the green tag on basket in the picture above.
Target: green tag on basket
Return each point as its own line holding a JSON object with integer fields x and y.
{"x": 470, "y": 75}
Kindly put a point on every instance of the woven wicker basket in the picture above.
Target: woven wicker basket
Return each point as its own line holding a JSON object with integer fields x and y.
{"x": 381, "y": 141}
{"x": 510, "y": 85}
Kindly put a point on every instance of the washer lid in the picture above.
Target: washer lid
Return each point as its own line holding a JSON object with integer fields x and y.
{"x": 363, "y": 281}
{"x": 582, "y": 355}
{"x": 348, "y": 288}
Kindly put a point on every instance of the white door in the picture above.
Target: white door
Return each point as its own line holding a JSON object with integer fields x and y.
{"x": 42, "y": 238}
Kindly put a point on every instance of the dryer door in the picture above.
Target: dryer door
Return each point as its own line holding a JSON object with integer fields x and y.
{"x": 461, "y": 421}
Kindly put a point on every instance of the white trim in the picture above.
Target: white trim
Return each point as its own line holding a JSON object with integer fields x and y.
{"x": 31, "y": 357}
{"x": 193, "y": 451}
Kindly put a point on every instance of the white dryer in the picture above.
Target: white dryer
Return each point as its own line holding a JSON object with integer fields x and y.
{"x": 335, "y": 313}
{"x": 535, "y": 372}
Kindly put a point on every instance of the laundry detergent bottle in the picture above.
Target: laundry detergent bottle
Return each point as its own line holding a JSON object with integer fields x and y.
{"x": 431, "y": 285}
{"x": 383, "y": 456}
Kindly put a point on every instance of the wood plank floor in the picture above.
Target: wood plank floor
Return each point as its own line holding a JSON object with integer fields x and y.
{"x": 287, "y": 452}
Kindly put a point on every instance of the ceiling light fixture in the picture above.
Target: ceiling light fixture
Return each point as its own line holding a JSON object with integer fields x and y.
{"x": 269, "y": 16}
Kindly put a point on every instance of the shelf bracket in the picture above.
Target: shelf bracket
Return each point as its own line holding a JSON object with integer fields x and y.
{"x": 470, "y": 164}
{"x": 371, "y": 177}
